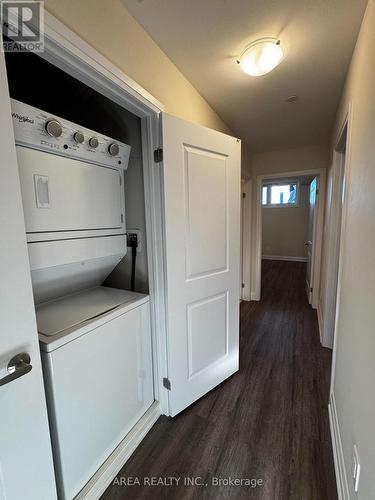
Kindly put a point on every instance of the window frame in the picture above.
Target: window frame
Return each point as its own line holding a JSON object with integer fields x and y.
{"x": 280, "y": 183}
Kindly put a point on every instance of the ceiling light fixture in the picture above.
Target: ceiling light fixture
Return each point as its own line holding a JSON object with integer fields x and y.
{"x": 261, "y": 56}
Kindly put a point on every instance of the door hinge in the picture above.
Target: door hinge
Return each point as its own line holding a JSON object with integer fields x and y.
{"x": 243, "y": 195}
{"x": 120, "y": 181}
{"x": 311, "y": 289}
{"x": 167, "y": 383}
{"x": 158, "y": 155}
{"x": 317, "y": 191}
{"x": 243, "y": 285}
{"x": 122, "y": 218}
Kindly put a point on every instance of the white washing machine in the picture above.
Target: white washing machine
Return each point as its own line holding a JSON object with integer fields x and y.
{"x": 95, "y": 341}
{"x": 97, "y": 363}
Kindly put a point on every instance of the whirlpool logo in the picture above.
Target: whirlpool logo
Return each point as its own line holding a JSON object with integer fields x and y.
{"x": 22, "y": 118}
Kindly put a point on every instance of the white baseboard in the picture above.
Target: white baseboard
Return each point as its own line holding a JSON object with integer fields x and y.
{"x": 246, "y": 294}
{"x": 338, "y": 456}
{"x": 283, "y": 257}
{"x": 107, "y": 472}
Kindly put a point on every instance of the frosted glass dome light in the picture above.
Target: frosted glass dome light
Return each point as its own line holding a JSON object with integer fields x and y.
{"x": 261, "y": 56}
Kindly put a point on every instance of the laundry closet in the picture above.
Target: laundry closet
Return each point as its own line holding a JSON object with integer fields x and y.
{"x": 80, "y": 167}
{"x": 133, "y": 235}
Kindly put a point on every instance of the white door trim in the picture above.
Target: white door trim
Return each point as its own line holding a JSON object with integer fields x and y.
{"x": 246, "y": 240}
{"x": 347, "y": 123}
{"x": 71, "y": 53}
{"x": 327, "y": 307}
{"x": 320, "y": 173}
{"x": 338, "y": 454}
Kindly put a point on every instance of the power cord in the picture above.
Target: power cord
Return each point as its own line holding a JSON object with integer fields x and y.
{"x": 132, "y": 242}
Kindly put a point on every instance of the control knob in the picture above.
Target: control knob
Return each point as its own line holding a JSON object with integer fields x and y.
{"x": 53, "y": 128}
{"x": 93, "y": 142}
{"x": 79, "y": 137}
{"x": 113, "y": 149}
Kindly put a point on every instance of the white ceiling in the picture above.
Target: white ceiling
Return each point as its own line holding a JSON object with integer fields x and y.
{"x": 203, "y": 38}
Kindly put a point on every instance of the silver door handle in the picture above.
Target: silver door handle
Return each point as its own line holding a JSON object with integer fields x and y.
{"x": 19, "y": 365}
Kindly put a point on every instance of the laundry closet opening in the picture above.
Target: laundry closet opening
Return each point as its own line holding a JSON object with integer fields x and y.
{"x": 81, "y": 174}
{"x": 58, "y": 93}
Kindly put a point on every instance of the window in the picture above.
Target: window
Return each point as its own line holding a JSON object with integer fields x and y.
{"x": 280, "y": 194}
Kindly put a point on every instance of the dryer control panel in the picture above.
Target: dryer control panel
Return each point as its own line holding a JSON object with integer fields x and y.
{"x": 40, "y": 130}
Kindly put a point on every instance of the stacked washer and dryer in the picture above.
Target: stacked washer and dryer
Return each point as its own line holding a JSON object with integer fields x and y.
{"x": 95, "y": 341}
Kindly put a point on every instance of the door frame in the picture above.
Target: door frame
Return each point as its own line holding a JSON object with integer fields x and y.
{"x": 339, "y": 175}
{"x": 69, "y": 52}
{"x": 345, "y": 127}
{"x": 309, "y": 288}
{"x": 246, "y": 192}
{"x": 320, "y": 173}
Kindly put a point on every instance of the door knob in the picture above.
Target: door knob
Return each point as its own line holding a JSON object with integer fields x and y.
{"x": 19, "y": 365}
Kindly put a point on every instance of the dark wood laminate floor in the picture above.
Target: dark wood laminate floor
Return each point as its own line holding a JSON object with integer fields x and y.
{"x": 269, "y": 421}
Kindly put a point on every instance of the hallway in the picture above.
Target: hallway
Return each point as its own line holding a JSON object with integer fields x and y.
{"x": 268, "y": 422}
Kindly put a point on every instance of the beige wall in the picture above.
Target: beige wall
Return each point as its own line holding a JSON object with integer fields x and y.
{"x": 354, "y": 382}
{"x": 110, "y": 29}
{"x": 284, "y": 229}
{"x": 288, "y": 160}
{"x": 276, "y": 162}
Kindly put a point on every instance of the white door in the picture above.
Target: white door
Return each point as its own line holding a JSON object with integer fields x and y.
{"x": 26, "y": 467}
{"x": 202, "y": 225}
{"x": 310, "y": 240}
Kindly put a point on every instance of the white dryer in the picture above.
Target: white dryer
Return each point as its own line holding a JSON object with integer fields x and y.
{"x": 73, "y": 201}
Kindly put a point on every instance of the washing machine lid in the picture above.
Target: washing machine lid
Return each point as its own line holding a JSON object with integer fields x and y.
{"x": 73, "y": 310}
